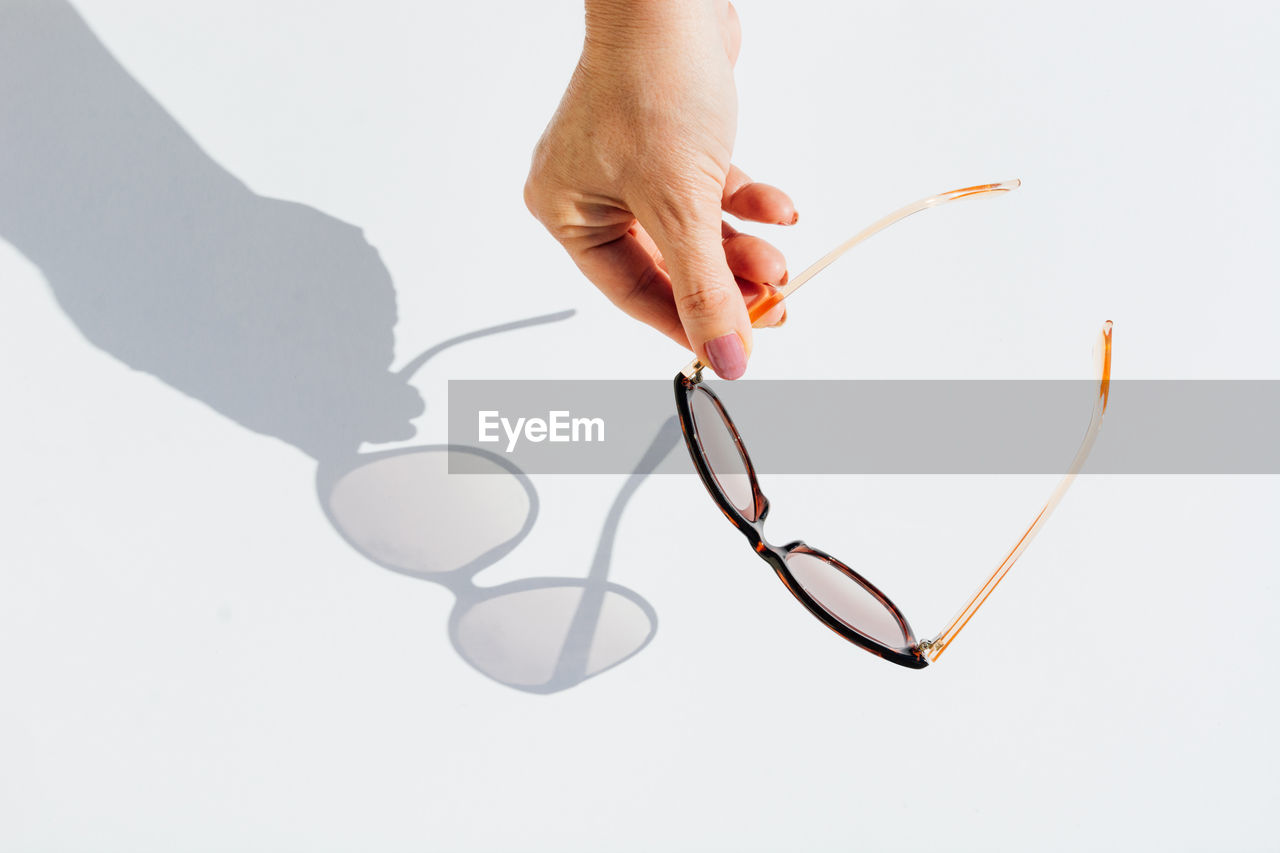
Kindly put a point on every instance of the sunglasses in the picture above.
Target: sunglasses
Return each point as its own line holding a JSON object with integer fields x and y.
{"x": 841, "y": 598}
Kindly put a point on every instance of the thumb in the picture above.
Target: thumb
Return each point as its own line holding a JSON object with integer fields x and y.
{"x": 710, "y": 305}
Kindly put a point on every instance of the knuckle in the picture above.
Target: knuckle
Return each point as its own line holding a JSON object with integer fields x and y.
{"x": 535, "y": 196}
{"x": 530, "y": 198}
{"x": 703, "y": 302}
{"x": 539, "y": 186}
{"x": 682, "y": 201}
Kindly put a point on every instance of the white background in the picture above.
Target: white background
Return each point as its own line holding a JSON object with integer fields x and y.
{"x": 192, "y": 659}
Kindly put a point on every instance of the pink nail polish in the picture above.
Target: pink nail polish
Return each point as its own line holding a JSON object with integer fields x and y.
{"x": 727, "y": 357}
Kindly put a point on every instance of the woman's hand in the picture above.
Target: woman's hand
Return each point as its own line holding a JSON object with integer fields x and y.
{"x": 634, "y": 170}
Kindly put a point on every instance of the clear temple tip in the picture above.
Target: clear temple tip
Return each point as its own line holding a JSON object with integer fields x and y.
{"x": 976, "y": 190}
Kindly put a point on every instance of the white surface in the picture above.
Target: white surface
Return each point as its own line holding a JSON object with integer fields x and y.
{"x": 193, "y": 660}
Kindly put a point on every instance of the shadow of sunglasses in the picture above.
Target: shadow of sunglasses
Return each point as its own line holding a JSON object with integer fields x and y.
{"x": 404, "y": 511}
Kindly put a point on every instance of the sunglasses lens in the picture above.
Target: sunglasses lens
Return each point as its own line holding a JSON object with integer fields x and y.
{"x": 722, "y": 454}
{"x": 408, "y": 512}
{"x": 846, "y": 599}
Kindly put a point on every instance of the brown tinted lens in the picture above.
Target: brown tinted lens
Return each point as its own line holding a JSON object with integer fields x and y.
{"x": 846, "y": 599}
{"x": 722, "y": 454}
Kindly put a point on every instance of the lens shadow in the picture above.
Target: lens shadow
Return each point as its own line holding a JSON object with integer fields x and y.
{"x": 404, "y": 511}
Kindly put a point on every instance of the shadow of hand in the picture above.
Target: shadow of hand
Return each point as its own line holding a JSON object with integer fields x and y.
{"x": 274, "y": 314}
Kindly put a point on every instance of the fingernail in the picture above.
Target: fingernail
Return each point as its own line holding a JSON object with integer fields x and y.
{"x": 779, "y": 324}
{"x": 727, "y": 357}
{"x": 795, "y": 217}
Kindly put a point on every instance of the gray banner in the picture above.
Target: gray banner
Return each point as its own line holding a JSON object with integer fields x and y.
{"x": 813, "y": 427}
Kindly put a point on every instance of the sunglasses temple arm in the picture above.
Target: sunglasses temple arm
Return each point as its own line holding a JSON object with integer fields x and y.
{"x": 415, "y": 365}
{"x": 757, "y": 310}
{"x": 935, "y": 647}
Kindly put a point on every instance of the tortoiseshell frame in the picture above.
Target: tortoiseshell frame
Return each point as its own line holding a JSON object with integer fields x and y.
{"x": 776, "y": 555}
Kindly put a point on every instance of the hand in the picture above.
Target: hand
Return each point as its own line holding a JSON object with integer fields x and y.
{"x": 634, "y": 170}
